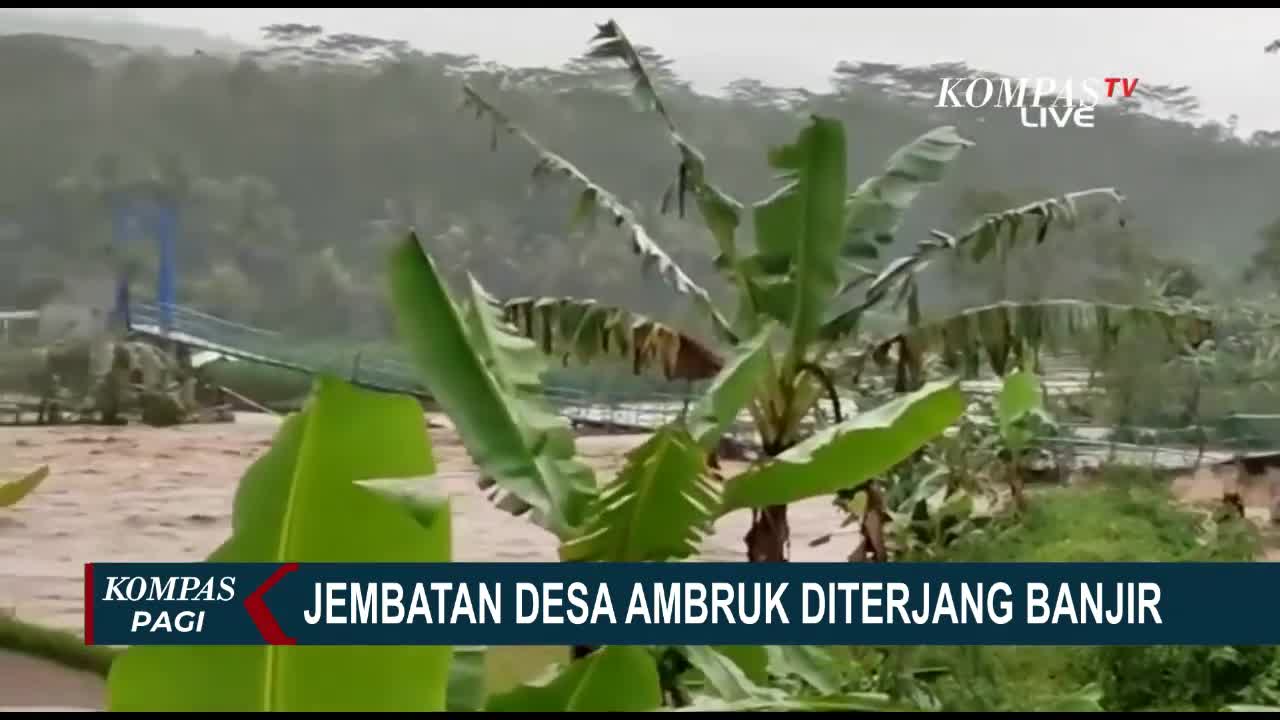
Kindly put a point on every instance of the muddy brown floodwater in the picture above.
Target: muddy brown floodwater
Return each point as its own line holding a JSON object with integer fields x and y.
{"x": 142, "y": 494}
{"x": 148, "y": 494}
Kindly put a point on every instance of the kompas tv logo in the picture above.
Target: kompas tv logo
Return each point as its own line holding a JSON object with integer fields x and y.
{"x": 1042, "y": 102}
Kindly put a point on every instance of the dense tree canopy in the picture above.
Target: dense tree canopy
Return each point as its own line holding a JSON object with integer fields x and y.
{"x": 293, "y": 163}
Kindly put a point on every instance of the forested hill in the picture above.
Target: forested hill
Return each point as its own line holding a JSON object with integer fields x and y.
{"x": 110, "y": 29}
{"x": 293, "y": 173}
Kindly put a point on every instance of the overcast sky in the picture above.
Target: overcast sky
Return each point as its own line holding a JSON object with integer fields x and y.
{"x": 1218, "y": 52}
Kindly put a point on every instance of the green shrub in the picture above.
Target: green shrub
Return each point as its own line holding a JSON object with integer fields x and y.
{"x": 1126, "y": 516}
{"x": 1181, "y": 678}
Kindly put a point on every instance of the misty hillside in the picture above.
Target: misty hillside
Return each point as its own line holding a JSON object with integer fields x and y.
{"x": 293, "y": 163}
{"x": 108, "y": 31}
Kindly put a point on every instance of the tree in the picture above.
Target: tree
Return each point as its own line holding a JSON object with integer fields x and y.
{"x": 337, "y": 139}
{"x": 1266, "y": 261}
{"x": 800, "y": 296}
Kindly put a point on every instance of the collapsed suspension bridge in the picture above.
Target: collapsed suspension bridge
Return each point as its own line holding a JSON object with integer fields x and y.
{"x": 380, "y": 368}
{"x": 384, "y": 368}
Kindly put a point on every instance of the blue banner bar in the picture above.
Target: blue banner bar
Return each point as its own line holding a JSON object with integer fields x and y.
{"x": 682, "y": 603}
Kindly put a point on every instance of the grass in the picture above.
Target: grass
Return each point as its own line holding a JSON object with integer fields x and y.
{"x": 1124, "y": 517}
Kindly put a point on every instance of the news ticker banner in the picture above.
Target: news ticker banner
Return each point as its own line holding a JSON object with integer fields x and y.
{"x": 682, "y": 603}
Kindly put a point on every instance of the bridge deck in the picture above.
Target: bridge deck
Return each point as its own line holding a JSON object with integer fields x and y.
{"x": 367, "y": 367}
{"x": 379, "y": 369}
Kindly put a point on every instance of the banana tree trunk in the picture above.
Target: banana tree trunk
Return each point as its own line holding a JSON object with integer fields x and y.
{"x": 1013, "y": 473}
{"x": 872, "y": 548}
{"x": 769, "y": 538}
{"x": 580, "y": 651}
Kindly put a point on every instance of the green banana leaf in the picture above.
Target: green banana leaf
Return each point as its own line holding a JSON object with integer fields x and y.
{"x": 725, "y": 676}
{"x": 301, "y": 503}
{"x": 720, "y": 211}
{"x": 593, "y": 198}
{"x": 1020, "y": 396}
{"x": 850, "y": 453}
{"x": 659, "y": 506}
{"x": 487, "y": 378}
{"x": 995, "y": 230}
{"x": 616, "y": 678}
{"x": 730, "y": 391}
{"x": 468, "y": 680}
{"x": 11, "y": 491}
{"x": 753, "y": 659}
{"x": 875, "y": 210}
{"x": 799, "y": 231}
{"x": 809, "y": 663}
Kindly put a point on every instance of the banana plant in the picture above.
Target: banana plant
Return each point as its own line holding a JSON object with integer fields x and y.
{"x": 485, "y": 374}
{"x": 1020, "y": 412}
{"x": 807, "y": 277}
